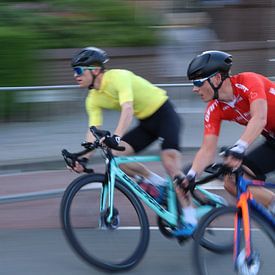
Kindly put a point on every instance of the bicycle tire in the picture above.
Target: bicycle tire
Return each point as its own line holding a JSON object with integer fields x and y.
{"x": 74, "y": 233}
{"x": 204, "y": 241}
{"x": 201, "y": 257}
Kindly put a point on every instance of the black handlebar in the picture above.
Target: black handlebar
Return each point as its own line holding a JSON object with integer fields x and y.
{"x": 72, "y": 158}
{"x": 98, "y": 133}
{"x": 215, "y": 171}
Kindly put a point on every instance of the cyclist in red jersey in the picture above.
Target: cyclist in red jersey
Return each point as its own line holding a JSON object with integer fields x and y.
{"x": 247, "y": 98}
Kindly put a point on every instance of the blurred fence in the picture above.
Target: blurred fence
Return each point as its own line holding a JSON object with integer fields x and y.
{"x": 36, "y": 103}
{"x": 43, "y": 102}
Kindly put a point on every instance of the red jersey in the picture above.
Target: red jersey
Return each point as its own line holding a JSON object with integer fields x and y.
{"x": 247, "y": 87}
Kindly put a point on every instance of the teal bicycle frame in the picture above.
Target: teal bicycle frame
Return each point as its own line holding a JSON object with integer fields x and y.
{"x": 170, "y": 215}
{"x": 113, "y": 184}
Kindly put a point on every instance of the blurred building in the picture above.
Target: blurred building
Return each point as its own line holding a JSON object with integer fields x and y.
{"x": 245, "y": 28}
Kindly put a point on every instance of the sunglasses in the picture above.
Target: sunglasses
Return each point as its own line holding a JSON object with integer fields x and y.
{"x": 80, "y": 70}
{"x": 200, "y": 82}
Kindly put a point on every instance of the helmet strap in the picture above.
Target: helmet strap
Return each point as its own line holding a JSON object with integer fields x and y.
{"x": 216, "y": 89}
{"x": 94, "y": 78}
{"x": 93, "y": 82}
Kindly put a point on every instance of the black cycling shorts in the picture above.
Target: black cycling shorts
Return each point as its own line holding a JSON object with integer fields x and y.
{"x": 164, "y": 124}
{"x": 261, "y": 159}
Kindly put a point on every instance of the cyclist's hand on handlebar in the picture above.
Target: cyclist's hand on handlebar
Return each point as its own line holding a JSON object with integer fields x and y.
{"x": 76, "y": 162}
{"x": 112, "y": 141}
{"x": 183, "y": 182}
{"x": 236, "y": 151}
{"x": 105, "y": 137}
{"x": 233, "y": 156}
{"x": 79, "y": 165}
{"x": 78, "y": 168}
{"x": 183, "y": 185}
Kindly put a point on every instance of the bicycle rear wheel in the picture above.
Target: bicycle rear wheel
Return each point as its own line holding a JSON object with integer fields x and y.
{"x": 218, "y": 227}
{"x": 114, "y": 246}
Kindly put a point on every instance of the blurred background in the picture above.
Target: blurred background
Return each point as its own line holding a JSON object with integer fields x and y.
{"x": 42, "y": 109}
{"x": 154, "y": 38}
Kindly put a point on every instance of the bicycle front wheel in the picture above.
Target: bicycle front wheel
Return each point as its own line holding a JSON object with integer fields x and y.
{"x": 113, "y": 246}
{"x": 218, "y": 227}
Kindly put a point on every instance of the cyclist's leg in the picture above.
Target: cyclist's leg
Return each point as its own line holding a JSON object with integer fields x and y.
{"x": 259, "y": 161}
{"x": 169, "y": 130}
{"x": 167, "y": 126}
{"x": 131, "y": 169}
{"x": 172, "y": 161}
{"x": 262, "y": 161}
{"x": 134, "y": 141}
{"x": 261, "y": 194}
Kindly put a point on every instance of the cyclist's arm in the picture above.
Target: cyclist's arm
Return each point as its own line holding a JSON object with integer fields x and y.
{"x": 126, "y": 117}
{"x": 258, "y": 110}
{"x": 122, "y": 82}
{"x": 206, "y": 155}
{"x": 78, "y": 167}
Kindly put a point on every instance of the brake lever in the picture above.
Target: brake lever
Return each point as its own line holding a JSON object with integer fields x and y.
{"x": 70, "y": 160}
{"x": 119, "y": 148}
{"x": 90, "y": 146}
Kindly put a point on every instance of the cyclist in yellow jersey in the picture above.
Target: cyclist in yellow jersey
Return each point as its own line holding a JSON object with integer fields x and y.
{"x": 132, "y": 96}
{"x": 120, "y": 86}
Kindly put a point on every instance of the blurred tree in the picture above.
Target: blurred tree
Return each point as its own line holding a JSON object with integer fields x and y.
{"x": 16, "y": 66}
{"x": 73, "y": 23}
{"x": 27, "y": 26}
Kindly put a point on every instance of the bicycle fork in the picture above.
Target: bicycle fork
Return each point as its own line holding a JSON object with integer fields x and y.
{"x": 102, "y": 206}
{"x": 109, "y": 216}
{"x": 244, "y": 260}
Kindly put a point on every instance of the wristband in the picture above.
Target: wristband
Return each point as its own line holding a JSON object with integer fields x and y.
{"x": 191, "y": 174}
{"x": 242, "y": 143}
{"x": 117, "y": 138}
{"x": 239, "y": 147}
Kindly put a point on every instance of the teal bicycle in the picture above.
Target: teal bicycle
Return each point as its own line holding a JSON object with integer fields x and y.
{"x": 104, "y": 219}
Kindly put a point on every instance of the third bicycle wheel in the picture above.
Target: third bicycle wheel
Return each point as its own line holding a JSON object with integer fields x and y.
{"x": 219, "y": 228}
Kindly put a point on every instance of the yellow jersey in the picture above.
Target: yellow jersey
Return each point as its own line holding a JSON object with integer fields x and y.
{"x": 120, "y": 86}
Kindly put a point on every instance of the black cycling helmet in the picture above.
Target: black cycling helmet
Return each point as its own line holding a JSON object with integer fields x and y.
{"x": 209, "y": 63}
{"x": 90, "y": 56}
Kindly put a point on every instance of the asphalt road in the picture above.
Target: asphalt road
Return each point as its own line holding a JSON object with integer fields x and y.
{"x": 32, "y": 241}
{"x": 45, "y": 251}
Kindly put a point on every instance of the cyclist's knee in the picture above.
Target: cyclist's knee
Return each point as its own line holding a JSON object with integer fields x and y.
{"x": 229, "y": 184}
{"x": 168, "y": 154}
{"x": 172, "y": 161}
